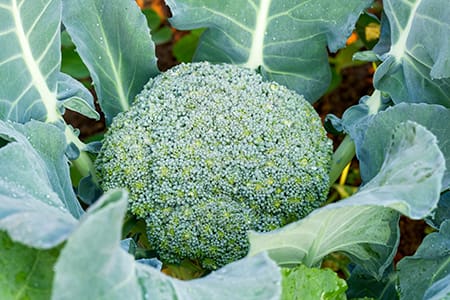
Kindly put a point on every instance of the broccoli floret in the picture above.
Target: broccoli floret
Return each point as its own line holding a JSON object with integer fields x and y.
{"x": 209, "y": 152}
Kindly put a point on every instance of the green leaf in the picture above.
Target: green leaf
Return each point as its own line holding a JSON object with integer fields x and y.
{"x": 128, "y": 245}
{"x": 440, "y": 290}
{"x": 367, "y": 234}
{"x": 362, "y": 285}
{"x": 286, "y": 40}
{"x": 153, "y": 19}
{"x": 114, "y": 42}
{"x": 29, "y": 59}
{"x": 442, "y": 212}
{"x": 249, "y": 278}
{"x": 311, "y": 283}
{"x": 37, "y": 204}
{"x": 357, "y": 118}
{"x": 93, "y": 265}
{"x": 184, "y": 48}
{"x": 74, "y": 96}
{"x": 368, "y": 56}
{"x": 364, "y": 226}
{"x": 50, "y": 143}
{"x": 80, "y": 105}
{"x": 25, "y": 273}
{"x": 71, "y": 63}
{"x": 162, "y": 35}
{"x": 417, "y": 66}
{"x": 411, "y": 173}
{"x": 429, "y": 264}
{"x": 344, "y": 58}
{"x": 377, "y": 135}
{"x": 88, "y": 190}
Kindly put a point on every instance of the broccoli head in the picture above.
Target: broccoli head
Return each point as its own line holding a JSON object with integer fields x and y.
{"x": 209, "y": 152}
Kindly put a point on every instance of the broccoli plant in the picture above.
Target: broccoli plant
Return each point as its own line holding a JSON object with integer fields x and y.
{"x": 220, "y": 166}
{"x": 209, "y": 152}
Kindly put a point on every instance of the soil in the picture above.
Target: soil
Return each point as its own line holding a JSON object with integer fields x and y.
{"x": 356, "y": 82}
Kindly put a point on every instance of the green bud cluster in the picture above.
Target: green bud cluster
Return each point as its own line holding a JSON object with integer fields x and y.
{"x": 209, "y": 152}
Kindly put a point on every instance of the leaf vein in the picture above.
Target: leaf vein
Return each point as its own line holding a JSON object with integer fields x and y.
{"x": 37, "y": 19}
{"x": 10, "y": 59}
{"x": 232, "y": 20}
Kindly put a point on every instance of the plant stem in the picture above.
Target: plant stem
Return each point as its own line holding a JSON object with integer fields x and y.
{"x": 344, "y": 174}
{"x": 346, "y": 150}
{"x": 343, "y": 155}
{"x": 83, "y": 163}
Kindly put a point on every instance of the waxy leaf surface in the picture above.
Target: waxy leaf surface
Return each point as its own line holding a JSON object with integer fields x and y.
{"x": 25, "y": 273}
{"x": 286, "y": 40}
{"x": 365, "y": 225}
{"x": 93, "y": 265}
{"x": 29, "y": 59}
{"x": 37, "y": 204}
{"x": 113, "y": 40}
{"x": 429, "y": 265}
{"x": 377, "y": 134}
{"x": 417, "y": 66}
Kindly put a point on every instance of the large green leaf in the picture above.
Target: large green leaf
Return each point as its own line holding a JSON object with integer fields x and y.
{"x": 114, "y": 42}
{"x": 442, "y": 212}
{"x": 417, "y": 66}
{"x": 25, "y": 273}
{"x": 439, "y": 290}
{"x": 93, "y": 265}
{"x": 361, "y": 284}
{"x": 364, "y": 225}
{"x": 302, "y": 283}
{"x": 37, "y": 204}
{"x": 71, "y": 63}
{"x": 29, "y": 59}
{"x": 430, "y": 263}
{"x": 251, "y": 278}
{"x": 377, "y": 135}
{"x": 366, "y": 233}
{"x": 286, "y": 39}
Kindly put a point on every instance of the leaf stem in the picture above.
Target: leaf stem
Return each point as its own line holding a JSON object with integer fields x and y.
{"x": 346, "y": 150}
{"x": 344, "y": 174}
{"x": 83, "y": 163}
{"x": 341, "y": 157}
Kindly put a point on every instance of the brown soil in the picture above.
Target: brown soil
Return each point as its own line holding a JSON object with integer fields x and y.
{"x": 412, "y": 233}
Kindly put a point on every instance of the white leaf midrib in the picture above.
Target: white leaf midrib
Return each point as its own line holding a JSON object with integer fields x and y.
{"x": 255, "y": 57}
{"x": 118, "y": 82}
{"x": 399, "y": 49}
{"x": 47, "y": 96}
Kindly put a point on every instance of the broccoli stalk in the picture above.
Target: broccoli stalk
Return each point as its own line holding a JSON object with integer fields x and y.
{"x": 209, "y": 152}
